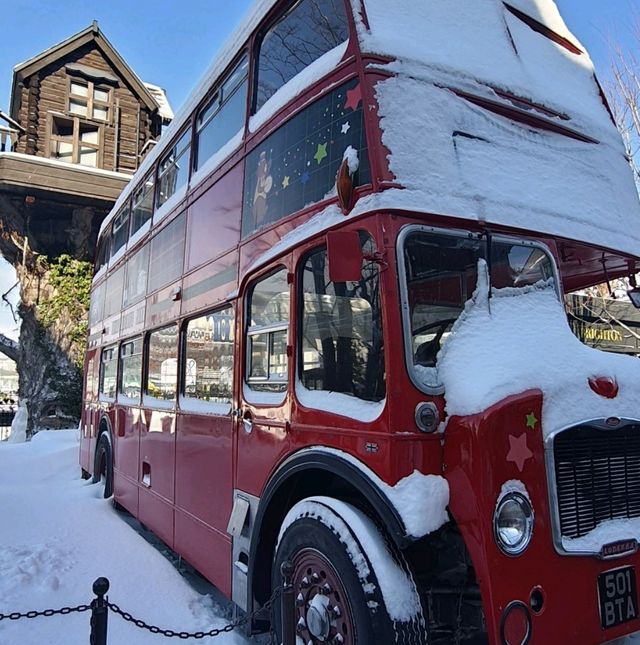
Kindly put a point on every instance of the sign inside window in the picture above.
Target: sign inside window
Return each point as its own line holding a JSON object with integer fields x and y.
{"x": 297, "y": 164}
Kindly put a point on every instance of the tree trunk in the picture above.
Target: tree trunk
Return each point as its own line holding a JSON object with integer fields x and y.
{"x": 50, "y": 379}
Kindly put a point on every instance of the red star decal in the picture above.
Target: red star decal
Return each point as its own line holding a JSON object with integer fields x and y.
{"x": 354, "y": 97}
{"x": 519, "y": 451}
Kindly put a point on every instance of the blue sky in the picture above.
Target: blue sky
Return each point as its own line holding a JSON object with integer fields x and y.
{"x": 171, "y": 43}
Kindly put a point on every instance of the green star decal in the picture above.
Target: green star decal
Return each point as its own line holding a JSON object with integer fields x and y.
{"x": 321, "y": 152}
{"x": 531, "y": 420}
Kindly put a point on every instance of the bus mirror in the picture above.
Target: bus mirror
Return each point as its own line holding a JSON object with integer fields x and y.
{"x": 345, "y": 256}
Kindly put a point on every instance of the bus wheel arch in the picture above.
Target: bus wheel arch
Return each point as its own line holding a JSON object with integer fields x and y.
{"x": 307, "y": 474}
{"x": 103, "y": 457}
{"x": 351, "y": 584}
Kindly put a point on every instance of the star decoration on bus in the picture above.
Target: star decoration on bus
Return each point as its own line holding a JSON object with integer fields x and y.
{"x": 304, "y": 177}
{"x": 321, "y": 152}
{"x": 285, "y": 181}
{"x": 345, "y": 127}
{"x": 354, "y": 97}
{"x": 531, "y": 420}
{"x": 519, "y": 452}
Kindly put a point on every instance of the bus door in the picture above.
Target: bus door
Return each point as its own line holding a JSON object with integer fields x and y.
{"x": 262, "y": 417}
{"x": 204, "y": 444}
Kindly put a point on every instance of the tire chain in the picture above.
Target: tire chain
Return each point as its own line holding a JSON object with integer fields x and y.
{"x": 170, "y": 633}
{"x": 16, "y": 615}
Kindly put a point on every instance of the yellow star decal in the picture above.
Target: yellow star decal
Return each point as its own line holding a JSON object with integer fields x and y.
{"x": 285, "y": 181}
{"x": 531, "y": 420}
{"x": 321, "y": 152}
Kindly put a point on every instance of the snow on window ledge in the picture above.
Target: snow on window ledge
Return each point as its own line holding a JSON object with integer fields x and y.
{"x": 200, "y": 406}
{"x": 258, "y": 397}
{"x": 159, "y": 404}
{"x": 169, "y": 205}
{"x": 339, "y": 403}
{"x": 300, "y": 82}
{"x": 216, "y": 159}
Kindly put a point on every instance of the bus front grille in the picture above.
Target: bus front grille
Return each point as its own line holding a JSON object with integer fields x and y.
{"x": 597, "y": 474}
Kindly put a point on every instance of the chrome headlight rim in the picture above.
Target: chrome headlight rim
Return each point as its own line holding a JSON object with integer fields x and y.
{"x": 527, "y": 510}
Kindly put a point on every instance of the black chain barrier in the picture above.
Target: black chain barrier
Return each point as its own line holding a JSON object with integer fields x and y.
{"x": 100, "y": 606}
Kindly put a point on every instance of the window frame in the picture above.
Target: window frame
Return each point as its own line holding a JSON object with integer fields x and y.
{"x": 257, "y": 51}
{"x": 186, "y": 399}
{"x": 89, "y": 100}
{"x": 121, "y": 396}
{"x": 77, "y": 144}
{"x": 115, "y": 352}
{"x": 169, "y": 152}
{"x": 438, "y": 387}
{"x": 147, "y": 397}
{"x": 222, "y": 97}
{"x": 303, "y": 260}
{"x": 249, "y": 332}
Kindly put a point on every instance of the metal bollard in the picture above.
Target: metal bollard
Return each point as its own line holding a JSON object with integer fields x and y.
{"x": 99, "y": 613}
{"x": 287, "y": 605}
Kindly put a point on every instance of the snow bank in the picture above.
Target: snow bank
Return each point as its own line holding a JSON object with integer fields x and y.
{"x": 520, "y": 340}
{"x": 57, "y": 536}
{"x": 19, "y": 424}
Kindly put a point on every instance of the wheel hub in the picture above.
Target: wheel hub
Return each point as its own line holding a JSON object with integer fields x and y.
{"x": 324, "y": 615}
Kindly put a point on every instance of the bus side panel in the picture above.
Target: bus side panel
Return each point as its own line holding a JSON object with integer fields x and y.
{"x": 157, "y": 474}
{"x": 126, "y": 458}
{"x": 204, "y": 492}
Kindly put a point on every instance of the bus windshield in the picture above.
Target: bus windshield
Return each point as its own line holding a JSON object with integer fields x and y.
{"x": 440, "y": 275}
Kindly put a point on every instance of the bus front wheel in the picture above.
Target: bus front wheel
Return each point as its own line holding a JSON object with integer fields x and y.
{"x": 349, "y": 588}
{"x": 103, "y": 464}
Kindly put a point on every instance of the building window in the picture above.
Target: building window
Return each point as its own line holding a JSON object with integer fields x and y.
{"x": 267, "y": 334}
{"x": 74, "y": 141}
{"x": 162, "y": 363}
{"x": 341, "y": 344}
{"x": 223, "y": 115}
{"x": 131, "y": 369}
{"x": 88, "y": 100}
{"x": 173, "y": 171}
{"x": 208, "y": 370}
{"x": 310, "y": 29}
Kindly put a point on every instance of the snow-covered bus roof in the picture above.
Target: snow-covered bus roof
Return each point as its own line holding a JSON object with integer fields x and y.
{"x": 455, "y": 157}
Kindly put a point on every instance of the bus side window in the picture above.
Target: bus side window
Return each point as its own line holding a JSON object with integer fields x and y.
{"x": 223, "y": 116}
{"x": 131, "y": 369}
{"x": 341, "y": 340}
{"x": 208, "y": 368}
{"x": 307, "y": 31}
{"x": 267, "y": 333}
{"x": 108, "y": 372}
{"x": 162, "y": 363}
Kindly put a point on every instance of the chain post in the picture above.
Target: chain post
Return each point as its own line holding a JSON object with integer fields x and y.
{"x": 99, "y": 613}
{"x": 287, "y": 605}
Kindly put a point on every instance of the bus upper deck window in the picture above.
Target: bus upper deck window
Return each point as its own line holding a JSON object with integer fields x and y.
{"x": 307, "y": 31}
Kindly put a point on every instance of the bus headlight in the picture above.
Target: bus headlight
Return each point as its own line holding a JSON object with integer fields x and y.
{"x": 513, "y": 523}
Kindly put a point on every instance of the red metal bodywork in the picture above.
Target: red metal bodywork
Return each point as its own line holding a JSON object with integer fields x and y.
{"x": 176, "y": 470}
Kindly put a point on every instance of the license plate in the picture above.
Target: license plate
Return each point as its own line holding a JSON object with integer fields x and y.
{"x": 618, "y": 596}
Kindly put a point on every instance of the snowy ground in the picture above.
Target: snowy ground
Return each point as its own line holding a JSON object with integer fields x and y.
{"x": 57, "y": 536}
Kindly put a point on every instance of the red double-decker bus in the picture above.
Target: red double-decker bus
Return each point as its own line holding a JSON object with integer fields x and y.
{"x": 327, "y": 326}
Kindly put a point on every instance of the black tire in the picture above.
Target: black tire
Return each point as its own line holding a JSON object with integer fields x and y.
{"x": 338, "y": 595}
{"x": 103, "y": 464}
